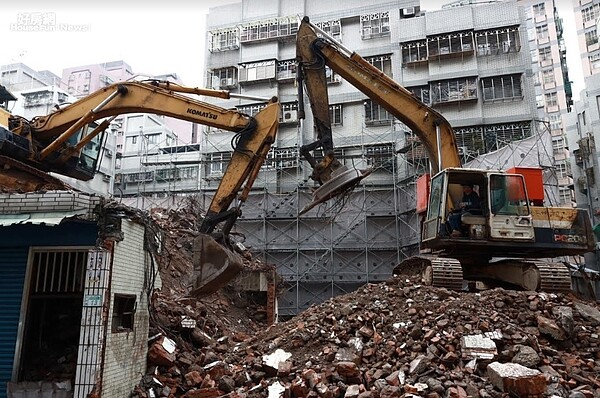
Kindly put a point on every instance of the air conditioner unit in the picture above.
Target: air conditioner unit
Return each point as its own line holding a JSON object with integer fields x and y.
{"x": 106, "y": 178}
{"x": 408, "y": 12}
{"x": 463, "y": 150}
{"x": 290, "y": 116}
{"x": 230, "y": 82}
{"x": 109, "y": 153}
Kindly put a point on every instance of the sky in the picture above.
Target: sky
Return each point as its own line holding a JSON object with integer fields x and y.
{"x": 152, "y": 38}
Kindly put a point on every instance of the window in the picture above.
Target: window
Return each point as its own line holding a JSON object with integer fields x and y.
{"x": 496, "y": 41}
{"x": 414, "y": 52}
{"x": 223, "y": 78}
{"x": 175, "y": 173}
{"x": 332, "y": 28}
{"x": 422, "y": 93}
{"x": 555, "y": 122}
{"x": 376, "y": 114}
{"x": 251, "y": 110}
{"x": 539, "y": 9}
{"x": 331, "y": 76}
{"x": 454, "y": 90}
{"x": 223, "y": 40}
{"x": 257, "y": 71}
{"x": 375, "y": 25}
{"x": 286, "y": 69}
{"x": 591, "y": 37}
{"x": 269, "y": 29}
{"x": 134, "y": 140}
{"x": 450, "y": 44}
{"x": 139, "y": 177}
{"x": 558, "y": 145}
{"x": 483, "y": 139}
{"x": 562, "y": 169}
{"x": 124, "y": 307}
{"x": 217, "y": 161}
{"x": 382, "y": 62}
{"x": 502, "y": 88}
{"x": 153, "y": 138}
{"x": 545, "y": 55}
{"x": 548, "y": 76}
{"x": 551, "y": 99}
{"x": 541, "y": 32}
{"x": 380, "y": 156}
{"x": 336, "y": 114}
{"x": 565, "y": 195}
{"x": 590, "y": 13}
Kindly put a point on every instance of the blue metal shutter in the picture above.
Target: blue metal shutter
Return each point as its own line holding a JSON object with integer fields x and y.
{"x": 13, "y": 263}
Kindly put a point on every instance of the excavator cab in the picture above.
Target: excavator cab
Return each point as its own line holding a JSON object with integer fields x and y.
{"x": 83, "y": 167}
{"x": 504, "y": 214}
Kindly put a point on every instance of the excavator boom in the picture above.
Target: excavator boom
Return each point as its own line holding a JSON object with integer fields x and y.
{"x": 509, "y": 224}
{"x": 58, "y": 142}
{"x": 431, "y": 127}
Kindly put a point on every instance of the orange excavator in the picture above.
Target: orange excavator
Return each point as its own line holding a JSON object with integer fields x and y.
{"x": 66, "y": 142}
{"x": 512, "y": 241}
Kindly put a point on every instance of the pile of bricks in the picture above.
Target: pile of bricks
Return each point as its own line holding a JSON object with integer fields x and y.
{"x": 396, "y": 339}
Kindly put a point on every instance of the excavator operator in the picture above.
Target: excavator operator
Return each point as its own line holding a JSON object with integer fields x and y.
{"x": 470, "y": 203}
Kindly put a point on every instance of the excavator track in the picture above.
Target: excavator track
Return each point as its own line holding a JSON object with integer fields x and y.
{"x": 433, "y": 271}
{"x": 554, "y": 277}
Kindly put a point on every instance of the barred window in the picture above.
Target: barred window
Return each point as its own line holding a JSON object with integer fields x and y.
{"x": 451, "y": 43}
{"x": 375, "y": 25}
{"x": 376, "y": 114}
{"x": 223, "y": 78}
{"x": 454, "y": 90}
{"x": 336, "y": 114}
{"x": 382, "y": 62}
{"x": 502, "y": 88}
{"x": 477, "y": 140}
{"x": 380, "y": 156}
{"x": 286, "y": 69}
{"x": 223, "y": 40}
{"x": 414, "y": 51}
{"x": 422, "y": 93}
{"x": 497, "y": 41}
{"x": 268, "y": 29}
{"x": 332, "y": 28}
{"x": 256, "y": 71}
{"x": 251, "y": 110}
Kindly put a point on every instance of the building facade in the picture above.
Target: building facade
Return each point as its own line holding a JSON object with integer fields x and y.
{"x": 587, "y": 14}
{"x": 471, "y": 63}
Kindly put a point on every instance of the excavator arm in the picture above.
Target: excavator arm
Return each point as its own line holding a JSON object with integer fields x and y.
{"x": 314, "y": 52}
{"x": 56, "y": 142}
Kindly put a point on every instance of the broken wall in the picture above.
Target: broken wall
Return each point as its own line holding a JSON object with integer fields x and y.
{"x": 125, "y": 352}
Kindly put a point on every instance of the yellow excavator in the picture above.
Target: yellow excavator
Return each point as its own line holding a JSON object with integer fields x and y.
{"x": 512, "y": 241}
{"x": 66, "y": 142}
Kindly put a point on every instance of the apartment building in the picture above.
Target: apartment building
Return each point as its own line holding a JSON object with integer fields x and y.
{"x": 587, "y": 14}
{"x": 554, "y": 96}
{"x": 472, "y": 63}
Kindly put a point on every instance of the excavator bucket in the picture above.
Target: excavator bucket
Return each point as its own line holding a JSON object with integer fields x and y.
{"x": 214, "y": 265}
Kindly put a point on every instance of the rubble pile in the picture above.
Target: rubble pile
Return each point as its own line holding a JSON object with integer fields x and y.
{"x": 393, "y": 339}
{"x": 398, "y": 339}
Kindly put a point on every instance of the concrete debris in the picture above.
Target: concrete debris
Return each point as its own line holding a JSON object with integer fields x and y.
{"x": 478, "y": 346}
{"x": 516, "y": 379}
{"x": 393, "y": 339}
